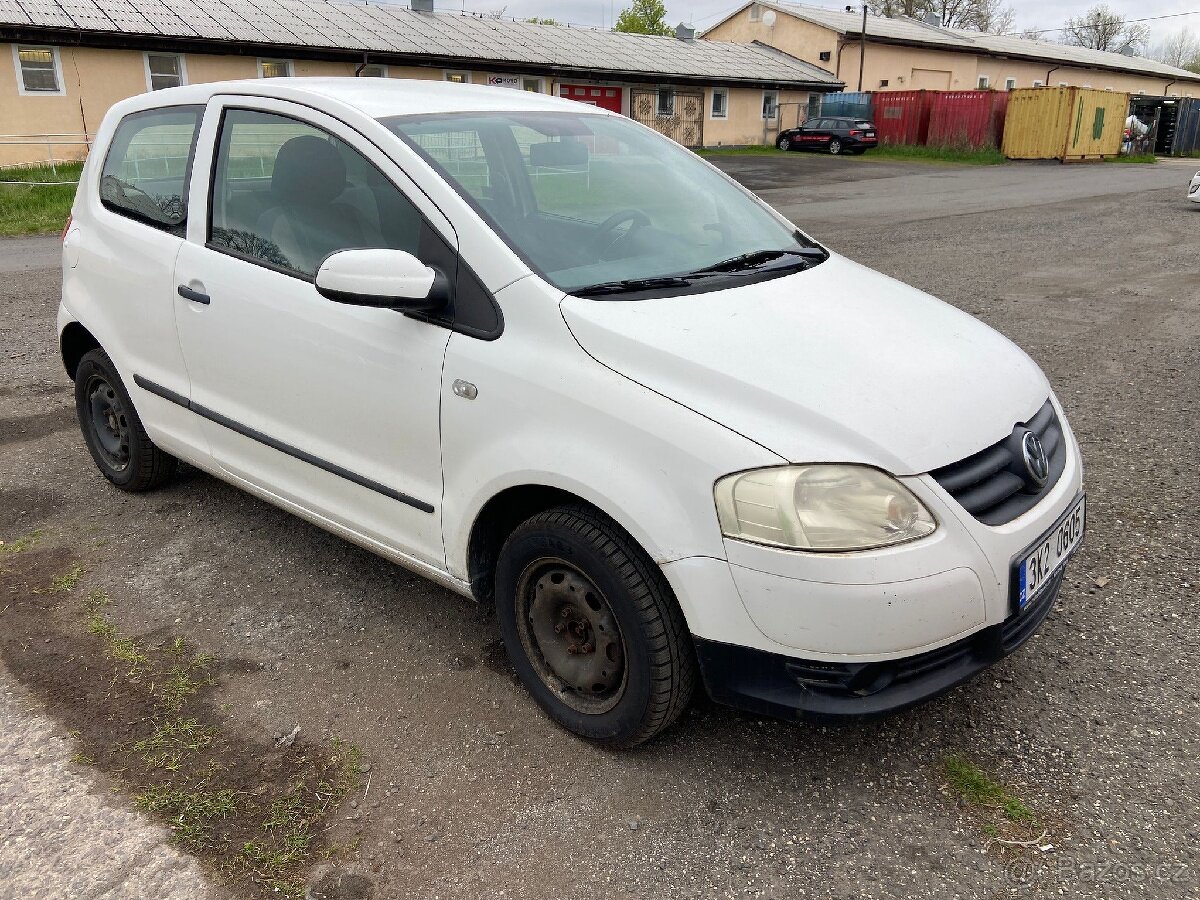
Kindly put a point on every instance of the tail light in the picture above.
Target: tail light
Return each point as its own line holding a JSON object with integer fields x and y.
{"x": 854, "y": 133}
{"x": 66, "y": 228}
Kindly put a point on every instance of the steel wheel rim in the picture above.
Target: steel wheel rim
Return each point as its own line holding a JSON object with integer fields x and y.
{"x": 835, "y": 146}
{"x": 784, "y": 144}
{"x": 109, "y": 423}
{"x": 571, "y": 636}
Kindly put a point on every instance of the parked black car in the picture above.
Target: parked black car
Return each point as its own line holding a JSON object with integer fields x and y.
{"x": 830, "y": 134}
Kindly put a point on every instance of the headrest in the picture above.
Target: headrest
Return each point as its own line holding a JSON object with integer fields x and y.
{"x": 308, "y": 170}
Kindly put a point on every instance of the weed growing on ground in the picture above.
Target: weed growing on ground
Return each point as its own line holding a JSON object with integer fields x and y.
{"x": 66, "y": 582}
{"x": 184, "y": 769}
{"x": 21, "y": 544}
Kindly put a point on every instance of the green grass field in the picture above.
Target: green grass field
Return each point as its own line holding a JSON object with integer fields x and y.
{"x": 902, "y": 153}
{"x": 40, "y": 208}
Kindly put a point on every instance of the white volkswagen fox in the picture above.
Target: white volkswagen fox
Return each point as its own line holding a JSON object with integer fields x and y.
{"x": 555, "y": 362}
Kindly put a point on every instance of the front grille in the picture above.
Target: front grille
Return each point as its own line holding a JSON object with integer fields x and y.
{"x": 993, "y": 484}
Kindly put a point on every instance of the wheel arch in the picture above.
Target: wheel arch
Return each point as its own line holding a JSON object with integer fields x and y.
{"x": 501, "y": 514}
{"x": 74, "y": 342}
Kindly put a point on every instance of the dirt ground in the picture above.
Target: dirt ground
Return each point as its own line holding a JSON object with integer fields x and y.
{"x": 468, "y": 791}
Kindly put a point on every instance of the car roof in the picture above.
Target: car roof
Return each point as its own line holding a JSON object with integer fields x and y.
{"x": 376, "y": 97}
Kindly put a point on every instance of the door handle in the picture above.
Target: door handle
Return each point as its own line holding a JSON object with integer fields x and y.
{"x": 195, "y": 296}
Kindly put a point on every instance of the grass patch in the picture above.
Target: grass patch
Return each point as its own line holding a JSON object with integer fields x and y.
{"x": 40, "y": 208}
{"x": 903, "y": 152}
{"x": 21, "y": 544}
{"x": 255, "y": 813}
{"x": 1146, "y": 158}
{"x": 753, "y": 150}
{"x": 1006, "y": 820}
{"x": 978, "y": 788}
{"x": 65, "y": 583}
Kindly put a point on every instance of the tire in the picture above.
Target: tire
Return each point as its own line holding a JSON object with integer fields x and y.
{"x": 566, "y": 579}
{"x": 783, "y": 144}
{"x": 114, "y": 435}
{"x": 835, "y": 146}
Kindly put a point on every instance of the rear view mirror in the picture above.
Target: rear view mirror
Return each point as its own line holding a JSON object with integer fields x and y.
{"x": 392, "y": 279}
{"x": 558, "y": 154}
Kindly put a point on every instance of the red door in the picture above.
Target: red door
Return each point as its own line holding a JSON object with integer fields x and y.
{"x": 605, "y": 97}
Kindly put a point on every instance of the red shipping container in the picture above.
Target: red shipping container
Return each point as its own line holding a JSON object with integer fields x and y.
{"x": 901, "y": 117}
{"x": 970, "y": 120}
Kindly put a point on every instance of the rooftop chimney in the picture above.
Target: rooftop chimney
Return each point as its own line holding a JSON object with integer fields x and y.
{"x": 421, "y": 5}
{"x": 685, "y": 32}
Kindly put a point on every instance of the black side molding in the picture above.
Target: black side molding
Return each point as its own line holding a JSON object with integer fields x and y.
{"x": 267, "y": 440}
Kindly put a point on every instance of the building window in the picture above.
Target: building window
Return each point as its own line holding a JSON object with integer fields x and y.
{"x": 1039, "y": 84}
{"x": 1010, "y": 84}
{"x": 274, "y": 68}
{"x": 458, "y": 77}
{"x": 39, "y": 70}
{"x": 770, "y": 105}
{"x": 164, "y": 70}
{"x": 755, "y": 12}
{"x": 720, "y": 103}
{"x": 984, "y": 82}
{"x": 666, "y": 102}
{"x": 883, "y": 82}
{"x": 532, "y": 85}
{"x": 1064, "y": 84}
{"x": 373, "y": 70}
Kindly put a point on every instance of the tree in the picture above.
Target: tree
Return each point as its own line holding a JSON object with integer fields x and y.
{"x": 974, "y": 15}
{"x": 1100, "y": 28}
{"x": 1180, "y": 49}
{"x": 1031, "y": 34}
{"x": 541, "y": 20}
{"x": 644, "y": 17}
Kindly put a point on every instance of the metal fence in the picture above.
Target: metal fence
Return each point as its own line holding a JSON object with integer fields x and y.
{"x": 49, "y": 151}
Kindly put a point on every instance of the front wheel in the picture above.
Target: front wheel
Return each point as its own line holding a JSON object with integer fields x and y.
{"x": 114, "y": 435}
{"x": 783, "y": 144}
{"x": 591, "y": 627}
{"x": 835, "y": 146}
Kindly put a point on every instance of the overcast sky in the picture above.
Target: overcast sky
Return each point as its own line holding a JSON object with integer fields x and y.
{"x": 1030, "y": 13}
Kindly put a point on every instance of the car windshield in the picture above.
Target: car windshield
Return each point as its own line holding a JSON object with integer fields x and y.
{"x": 598, "y": 202}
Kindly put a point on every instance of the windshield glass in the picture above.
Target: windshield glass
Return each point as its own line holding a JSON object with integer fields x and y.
{"x": 595, "y": 200}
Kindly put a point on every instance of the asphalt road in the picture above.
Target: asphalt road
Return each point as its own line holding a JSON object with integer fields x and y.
{"x": 1093, "y": 726}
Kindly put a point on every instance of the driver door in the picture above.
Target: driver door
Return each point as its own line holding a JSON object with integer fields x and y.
{"x": 331, "y": 408}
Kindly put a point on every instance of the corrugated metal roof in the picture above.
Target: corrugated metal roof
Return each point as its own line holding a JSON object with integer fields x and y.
{"x": 394, "y": 29}
{"x": 911, "y": 31}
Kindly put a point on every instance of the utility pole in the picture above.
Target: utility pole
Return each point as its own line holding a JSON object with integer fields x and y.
{"x": 862, "y": 48}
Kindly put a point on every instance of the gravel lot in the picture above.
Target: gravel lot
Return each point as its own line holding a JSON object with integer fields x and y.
{"x": 473, "y": 793}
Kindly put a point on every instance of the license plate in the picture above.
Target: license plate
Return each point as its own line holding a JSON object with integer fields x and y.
{"x": 1043, "y": 560}
{"x": 870, "y": 134}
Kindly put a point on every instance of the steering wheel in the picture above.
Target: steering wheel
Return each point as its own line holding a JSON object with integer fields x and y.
{"x": 605, "y": 240}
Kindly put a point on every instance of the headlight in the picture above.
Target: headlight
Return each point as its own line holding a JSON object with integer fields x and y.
{"x": 820, "y": 507}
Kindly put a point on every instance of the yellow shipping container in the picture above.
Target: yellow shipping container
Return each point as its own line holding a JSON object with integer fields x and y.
{"x": 1066, "y": 123}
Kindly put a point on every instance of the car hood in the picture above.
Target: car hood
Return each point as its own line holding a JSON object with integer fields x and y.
{"x": 836, "y": 363}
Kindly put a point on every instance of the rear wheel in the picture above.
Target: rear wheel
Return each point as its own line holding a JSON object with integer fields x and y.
{"x": 835, "y": 146}
{"x": 112, "y": 430}
{"x": 783, "y": 144}
{"x": 592, "y": 628}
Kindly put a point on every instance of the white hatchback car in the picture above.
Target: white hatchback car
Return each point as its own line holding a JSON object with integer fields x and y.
{"x": 1194, "y": 189}
{"x": 554, "y": 361}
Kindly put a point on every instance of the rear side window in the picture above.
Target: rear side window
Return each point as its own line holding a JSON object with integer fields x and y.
{"x": 148, "y": 165}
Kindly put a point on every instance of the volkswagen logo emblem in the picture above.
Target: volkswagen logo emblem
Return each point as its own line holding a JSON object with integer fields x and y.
{"x": 1036, "y": 462}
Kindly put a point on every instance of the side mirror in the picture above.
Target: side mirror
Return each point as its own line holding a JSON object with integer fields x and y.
{"x": 389, "y": 279}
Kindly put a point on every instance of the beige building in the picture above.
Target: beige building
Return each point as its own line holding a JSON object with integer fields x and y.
{"x": 904, "y": 54}
{"x": 65, "y": 62}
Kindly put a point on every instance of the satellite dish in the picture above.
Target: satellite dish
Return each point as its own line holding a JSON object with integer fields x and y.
{"x": 769, "y": 18}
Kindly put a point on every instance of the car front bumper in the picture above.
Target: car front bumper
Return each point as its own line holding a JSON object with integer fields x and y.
{"x": 788, "y": 687}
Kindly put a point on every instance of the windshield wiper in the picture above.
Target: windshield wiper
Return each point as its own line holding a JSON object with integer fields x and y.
{"x": 629, "y": 285}
{"x": 758, "y": 257}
